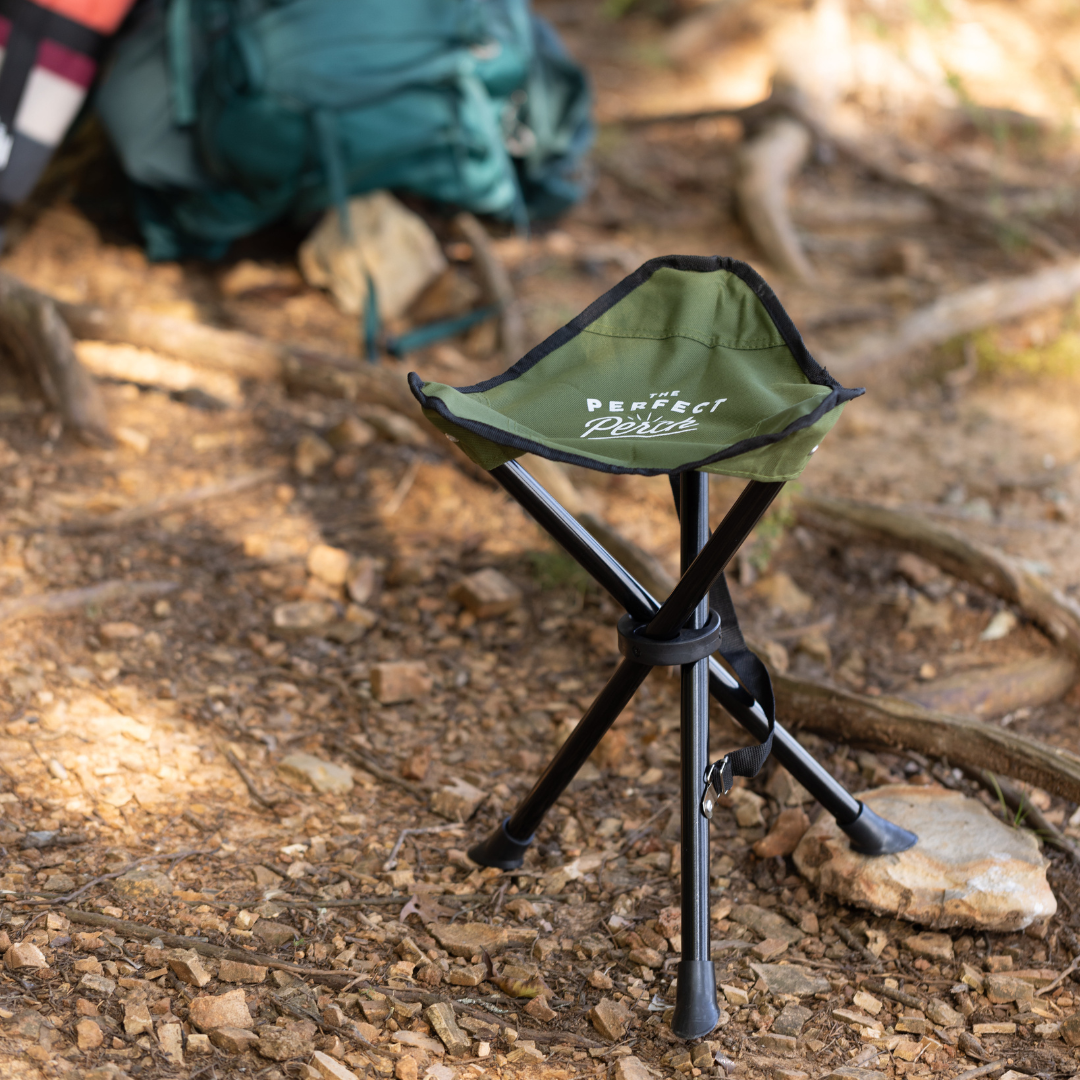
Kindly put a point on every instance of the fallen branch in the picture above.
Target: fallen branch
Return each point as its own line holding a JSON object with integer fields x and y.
{"x": 853, "y": 943}
{"x": 885, "y": 721}
{"x": 168, "y": 504}
{"x": 376, "y": 770}
{"x": 128, "y": 929}
{"x": 961, "y": 313}
{"x": 145, "y": 367}
{"x": 512, "y": 330}
{"x": 32, "y": 331}
{"x": 966, "y": 559}
{"x": 67, "y": 600}
{"x": 249, "y": 782}
{"x": 767, "y": 163}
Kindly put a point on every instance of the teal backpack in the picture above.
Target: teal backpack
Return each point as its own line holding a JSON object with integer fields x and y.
{"x": 232, "y": 114}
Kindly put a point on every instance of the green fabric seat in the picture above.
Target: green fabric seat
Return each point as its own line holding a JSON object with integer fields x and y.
{"x": 688, "y": 363}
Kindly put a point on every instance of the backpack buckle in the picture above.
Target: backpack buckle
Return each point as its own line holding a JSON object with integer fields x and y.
{"x": 718, "y": 780}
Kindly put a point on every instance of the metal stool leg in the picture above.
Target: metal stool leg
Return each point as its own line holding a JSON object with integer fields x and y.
{"x": 696, "y": 1011}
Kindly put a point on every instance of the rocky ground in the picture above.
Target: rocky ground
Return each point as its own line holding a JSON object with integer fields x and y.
{"x": 239, "y": 774}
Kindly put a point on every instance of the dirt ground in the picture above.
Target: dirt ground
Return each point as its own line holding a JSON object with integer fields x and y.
{"x": 142, "y": 736}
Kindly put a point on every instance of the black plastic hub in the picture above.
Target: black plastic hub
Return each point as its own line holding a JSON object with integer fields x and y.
{"x": 689, "y": 647}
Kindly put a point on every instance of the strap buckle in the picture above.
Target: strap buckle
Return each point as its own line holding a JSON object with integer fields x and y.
{"x": 718, "y": 780}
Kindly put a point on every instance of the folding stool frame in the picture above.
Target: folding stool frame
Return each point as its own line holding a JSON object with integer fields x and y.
{"x": 681, "y": 631}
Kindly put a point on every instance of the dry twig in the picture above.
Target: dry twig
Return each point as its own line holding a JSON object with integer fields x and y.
{"x": 66, "y": 600}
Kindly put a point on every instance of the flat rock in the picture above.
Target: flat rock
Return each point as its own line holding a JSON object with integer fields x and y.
{"x": 791, "y": 979}
{"x": 792, "y": 1019}
{"x": 441, "y": 1018}
{"x": 188, "y": 968}
{"x": 171, "y": 1041}
{"x": 324, "y": 776}
{"x": 630, "y": 1068}
{"x": 275, "y": 934}
{"x": 968, "y": 868}
{"x": 143, "y": 885}
{"x": 610, "y": 1018}
{"x": 457, "y": 799}
{"x": 469, "y": 939}
{"x": 851, "y": 1072}
{"x": 930, "y": 946}
{"x": 778, "y": 1044}
{"x": 25, "y": 955}
{"x": 233, "y": 1040}
{"x": 784, "y": 836}
{"x": 766, "y": 923}
{"x": 235, "y": 972}
{"x": 329, "y": 1069}
{"x": 394, "y": 683}
{"x": 487, "y": 593}
{"x": 210, "y": 1011}
{"x": 285, "y": 1043}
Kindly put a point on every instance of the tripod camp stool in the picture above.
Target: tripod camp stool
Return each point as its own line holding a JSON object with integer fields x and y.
{"x": 686, "y": 367}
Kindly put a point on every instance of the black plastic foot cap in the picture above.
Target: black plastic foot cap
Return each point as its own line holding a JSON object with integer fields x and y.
{"x": 500, "y": 850}
{"x": 696, "y": 1011}
{"x": 873, "y": 835}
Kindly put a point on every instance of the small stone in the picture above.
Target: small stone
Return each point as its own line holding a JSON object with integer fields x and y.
{"x": 140, "y": 885}
{"x": 457, "y": 800}
{"x": 89, "y": 1035}
{"x": 487, "y": 593}
{"x": 84, "y": 1008}
{"x": 422, "y": 1042}
{"x": 926, "y": 614}
{"x": 735, "y": 995}
{"x": 233, "y": 1040}
{"x": 406, "y": 1068}
{"x": 748, "y": 806}
{"x": 866, "y": 1002}
{"x": 781, "y": 1073}
{"x": 119, "y": 631}
{"x": 907, "y": 1050}
{"x": 1001, "y": 989}
{"x": 171, "y": 1041}
{"x": 1003, "y": 1028}
{"x": 394, "y": 683}
{"x": 329, "y": 564}
{"x": 599, "y": 981}
{"x": 324, "y": 776}
{"x": 792, "y": 1019}
{"x": 441, "y": 1018}
{"x": 274, "y": 934}
{"x": 209, "y": 1011}
{"x": 233, "y": 971}
{"x": 769, "y": 948}
{"x": 785, "y": 789}
{"x": 778, "y": 1044}
{"x": 610, "y": 1018}
{"x": 394, "y": 427}
{"x": 525, "y": 1052}
{"x": 851, "y": 1072}
{"x": 1070, "y": 1029}
{"x": 311, "y": 454}
{"x": 815, "y": 645}
{"x": 362, "y": 580}
{"x": 351, "y": 434}
{"x": 470, "y": 975}
{"x": 137, "y": 1020}
{"x": 329, "y": 1069}
{"x": 781, "y": 593}
{"x": 199, "y": 1044}
{"x": 784, "y": 836}
{"x": 943, "y": 1015}
{"x": 857, "y": 1020}
{"x": 539, "y": 1009}
{"x": 998, "y": 963}
{"x": 285, "y": 1043}
{"x": 632, "y": 1068}
{"x": 791, "y": 979}
{"x": 304, "y": 615}
{"x": 766, "y": 923}
{"x": 469, "y": 939}
{"x": 264, "y": 876}
{"x": 990, "y": 875}
{"x": 930, "y": 946}
{"x": 188, "y": 968}
{"x": 649, "y": 958}
{"x": 25, "y": 955}
{"x": 97, "y": 984}
{"x": 914, "y": 1025}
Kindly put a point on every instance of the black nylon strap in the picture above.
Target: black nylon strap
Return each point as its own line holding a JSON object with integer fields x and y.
{"x": 43, "y": 23}
{"x": 750, "y": 671}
